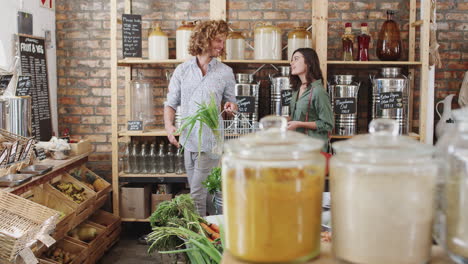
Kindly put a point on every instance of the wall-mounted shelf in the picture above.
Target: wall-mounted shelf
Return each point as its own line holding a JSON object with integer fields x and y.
{"x": 151, "y": 175}
{"x": 413, "y": 135}
{"x": 149, "y": 133}
{"x": 257, "y": 61}
{"x": 134, "y": 220}
{"x": 127, "y": 62}
{"x": 385, "y": 63}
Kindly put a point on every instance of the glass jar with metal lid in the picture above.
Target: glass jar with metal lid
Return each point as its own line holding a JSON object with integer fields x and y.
{"x": 382, "y": 197}
{"x": 272, "y": 193}
{"x": 183, "y": 34}
{"x": 298, "y": 38}
{"x": 235, "y": 46}
{"x": 267, "y": 42}
{"x": 157, "y": 44}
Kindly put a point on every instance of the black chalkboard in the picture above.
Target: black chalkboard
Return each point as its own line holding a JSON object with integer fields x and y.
{"x": 40, "y": 154}
{"x": 5, "y": 80}
{"x": 391, "y": 100}
{"x": 134, "y": 125}
{"x": 344, "y": 105}
{"x": 286, "y": 96}
{"x": 131, "y": 35}
{"x": 246, "y": 104}
{"x": 24, "y": 85}
{"x": 34, "y": 64}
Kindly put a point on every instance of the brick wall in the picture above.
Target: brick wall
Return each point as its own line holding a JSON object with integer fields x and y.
{"x": 83, "y": 55}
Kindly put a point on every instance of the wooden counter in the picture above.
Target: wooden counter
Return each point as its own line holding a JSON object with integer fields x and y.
{"x": 60, "y": 166}
{"x": 439, "y": 257}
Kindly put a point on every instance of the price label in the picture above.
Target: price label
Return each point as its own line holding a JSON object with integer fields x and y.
{"x": 5, "y": 80}
{"x": 391, "y": 100}
{"x": 344, "y": 105}
{"x": 246, "y": 104}
{"x": 40, "y": 154}
{"x": 286, "y": 96}
{"x": 134, "y": 125}
{"x": 23, "y": 86}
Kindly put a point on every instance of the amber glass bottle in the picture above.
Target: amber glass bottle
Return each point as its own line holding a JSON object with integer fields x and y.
{"x": 389, "y": 42}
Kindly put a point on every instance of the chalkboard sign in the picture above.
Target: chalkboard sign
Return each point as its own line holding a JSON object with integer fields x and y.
{"x": 286, "y": 96}
{"x": 246, "y": 104}
{"x": 344, "y": 105}
{"x": 131, "y": 35}
{"x": 134, "y": 125}
{"x": 391, "y": 100}
{"x": 40, "y": 154}
{"x": 33, "y": 63}
{"x": 23, "y": 87}
{"x": 5, "y": 80}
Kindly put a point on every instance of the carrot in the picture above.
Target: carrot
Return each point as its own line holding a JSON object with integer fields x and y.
{"x": 208, "y": 230}
{"x": 214, "y": 227}
{"x": 215, "y": 236}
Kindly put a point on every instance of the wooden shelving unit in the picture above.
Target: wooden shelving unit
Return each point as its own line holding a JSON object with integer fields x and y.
{"x": 413, "y": 135}
{"x": 149, "y": 133}
{"x": 319, "y": 43}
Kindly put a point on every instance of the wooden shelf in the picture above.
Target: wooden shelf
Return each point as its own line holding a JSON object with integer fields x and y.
{"x": 149, "y": 133}
{"x": 413, "y": 135}
{"x": 257, "y": 61}
{"x": 127, "y": 62}
{"x": 383, "y": 63}
{"x": 134, "y": 220}
{"x": 150, "y": 175}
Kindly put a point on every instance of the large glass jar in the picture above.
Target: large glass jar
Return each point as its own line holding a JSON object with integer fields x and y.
{"x": 453, "y": 149}
{"x": 267, "y": 42}
{"x": 142, "y": 101}
{"x": 382, "y": 197}
{"x": 272, "y": 192}
{"x": 389, "y": 41}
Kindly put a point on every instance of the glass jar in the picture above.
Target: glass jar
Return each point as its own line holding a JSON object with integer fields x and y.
{"x": 272, "y": 188}
{"x": 141, "y": 96}
{"x": 267, "y": 42}
{"x": 347, "y": 40}
{"x": 382, "y": 196}
{"x": 453, "y": 149}
{"x": 389, "y": 42}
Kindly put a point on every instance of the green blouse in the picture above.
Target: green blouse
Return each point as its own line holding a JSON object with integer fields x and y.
{"x": 320, "y": 111}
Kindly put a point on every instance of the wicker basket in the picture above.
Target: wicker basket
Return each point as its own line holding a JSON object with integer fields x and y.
{"x": 22, "y": 223}
{"x": 18, "y": 165}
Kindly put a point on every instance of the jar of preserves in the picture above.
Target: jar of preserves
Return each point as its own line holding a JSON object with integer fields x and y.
{"x": 267, "y": 42}
{"x": 452, "y": 226}
{"x": 272, "y": 192}
{"x": 298, "y": 38}
{"x": 158, "y": 48}
{"x": 382, "y": 196}
{"x": 183, "y": 34}
{"x": 235, "y": 46}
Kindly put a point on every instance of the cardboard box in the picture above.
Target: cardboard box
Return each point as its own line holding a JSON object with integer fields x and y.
{"x": 135, "y": 201}
{"x": 156, "y": 199}
{"x": 81, "y": 147}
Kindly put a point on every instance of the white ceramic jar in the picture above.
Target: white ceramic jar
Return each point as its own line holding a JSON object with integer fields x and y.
{"x": 183, "y": 34}
{"x": 235, "y": 46}
{"x": 267, "y": 42}
{"x": 158, "y": 44}
{"x": 298, "y": 38}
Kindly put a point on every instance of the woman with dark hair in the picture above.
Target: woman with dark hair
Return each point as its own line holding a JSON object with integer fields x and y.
{"x": 311, "y": 111}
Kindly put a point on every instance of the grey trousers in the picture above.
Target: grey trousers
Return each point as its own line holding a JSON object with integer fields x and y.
{"x": 198, "y": 168}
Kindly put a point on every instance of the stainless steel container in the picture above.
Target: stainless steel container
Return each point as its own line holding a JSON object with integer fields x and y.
{"x": 344, "y": 100}
{"x": 281, "y": 92}
{"x": 16, "y": 115}
{"x": 247, "y": 92}
{"x": 390, "y": 92}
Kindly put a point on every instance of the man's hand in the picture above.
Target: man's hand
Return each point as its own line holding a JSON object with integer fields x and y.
{"x": 170, "y": 129}
{"x": 230, "y": 107}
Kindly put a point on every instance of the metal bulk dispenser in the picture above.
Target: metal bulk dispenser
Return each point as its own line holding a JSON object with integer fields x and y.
{"x": 246, "y": 92}
{"x": 281, "y": 92}
{"x": 390, "y": 92}
{"x": 344, "y": 99}
{"x": 16, "y": 115}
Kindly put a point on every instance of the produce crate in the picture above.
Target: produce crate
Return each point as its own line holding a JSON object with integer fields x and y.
{"x": 81, "y": 147}
{"x": 86, "y": 176}
{"x": 96, "y": 255}
{"x": 80, "y": 252}
{"x": 113, "y": 237}
{"x": 22, "y": 222}
{"x": 94, "y": 244}
{"x": 83, "y": 209}
{"x": 21, "y": 163}
{"x": 109, "y": 221}
{"x": 66, "y": 213}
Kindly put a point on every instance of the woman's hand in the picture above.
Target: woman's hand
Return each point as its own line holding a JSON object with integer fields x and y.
{"x": 230, "y": 107}
{"x": 293, "y": 125}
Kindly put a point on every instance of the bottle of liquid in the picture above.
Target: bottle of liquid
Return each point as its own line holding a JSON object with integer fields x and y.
{"x": 180, "y": 165}
{"x": 152, "y": 159}
{"x": 363, "y": 44}
{"x": 389, "y": 42}
{"x": 161, "y": 159}
{"x": 169, "y": 159}
{"x": 126, "y": 159}
{"x": 134, "y": 168}
{"x": 347, "y": 39}
{"x": 142, "y": 159}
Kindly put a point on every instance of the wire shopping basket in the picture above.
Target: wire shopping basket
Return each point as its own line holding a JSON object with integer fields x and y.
{"x": 237, "y": 126}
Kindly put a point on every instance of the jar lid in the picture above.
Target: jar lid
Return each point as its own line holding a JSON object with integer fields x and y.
{"x": 266, "y": 28}
{"x": 157, "y": 31}
{"x": 186, "y": 26}
{"x": 383, "y": 143}
{"x": 299, "y": 32}
{"x": 274, "y": 142}
{"x": 235, "y": 35}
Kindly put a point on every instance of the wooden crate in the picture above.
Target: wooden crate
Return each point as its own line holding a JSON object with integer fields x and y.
{"x": 113, "y": 237}
{"x": 101, "y": 195}
{"x": 96, "y": 255}
{"x": 79, "y": 207}
{"x": 80, "y": 252}
{"x": 107, "y": 220}
{"x": 94, "y": 244}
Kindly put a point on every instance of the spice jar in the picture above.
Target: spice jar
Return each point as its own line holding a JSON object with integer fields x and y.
{"x": 347, "y": 40}
{"x": 272, "y": 192}
{"x": 453, "y": 226}
{"x": 382, "y": 196}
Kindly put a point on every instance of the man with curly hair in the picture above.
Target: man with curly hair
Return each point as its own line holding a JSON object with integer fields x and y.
{"x": 193, "y": 82}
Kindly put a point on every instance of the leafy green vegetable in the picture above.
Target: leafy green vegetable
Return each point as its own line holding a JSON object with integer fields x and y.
{"x": 213, "y": 181}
